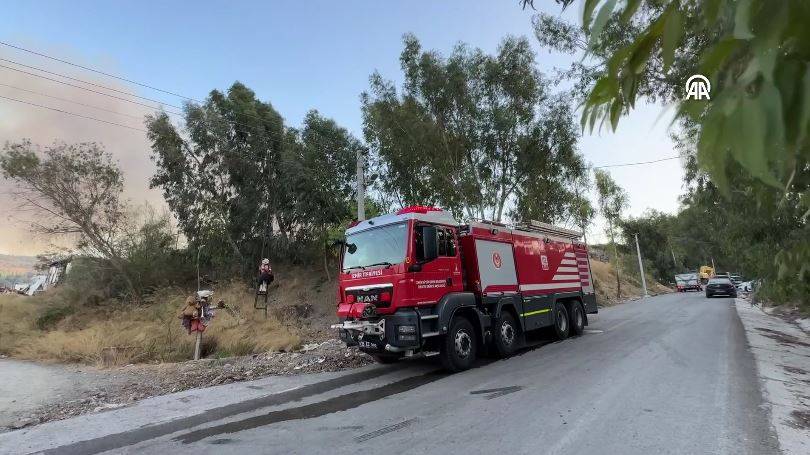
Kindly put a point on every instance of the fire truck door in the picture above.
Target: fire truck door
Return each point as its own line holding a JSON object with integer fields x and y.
{"x": 442, "y": 274}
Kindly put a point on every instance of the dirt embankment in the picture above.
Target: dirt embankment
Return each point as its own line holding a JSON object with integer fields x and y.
{"x": 604, "y": 277}
{"x": 54, "y": 327}
{"x": 152, "y": 350}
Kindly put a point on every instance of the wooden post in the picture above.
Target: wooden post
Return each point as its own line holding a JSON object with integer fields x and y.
{"x": 197, "y": 346}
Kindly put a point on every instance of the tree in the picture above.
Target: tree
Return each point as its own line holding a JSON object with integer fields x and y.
{"x": 751, "y": 145}
{"x": 319, "y": 178}
{"x": 236, "y": 173}
{"x": 654, "y": 231}
{"x": 72, "y": 189}
{"x": 220, "y": 176}
{"x": 477, "y": 134}
{"x": 612, "y": 201}
{"x": 755, "y": 54}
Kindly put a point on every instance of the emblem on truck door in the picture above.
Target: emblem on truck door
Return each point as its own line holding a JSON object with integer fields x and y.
{"x": 544, "y": 261}
{"x": 496, "y": 259}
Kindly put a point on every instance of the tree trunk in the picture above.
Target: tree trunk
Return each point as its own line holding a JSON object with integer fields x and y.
{"x": 326, "y": 257}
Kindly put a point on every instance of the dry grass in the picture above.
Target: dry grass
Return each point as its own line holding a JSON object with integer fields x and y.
{"x": 152, "y": 333}
{"x": 604, "y": 278}
{"x": 64, "y": 325}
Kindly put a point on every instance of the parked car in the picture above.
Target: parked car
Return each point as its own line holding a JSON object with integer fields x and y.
{"x": 687, "y": 282}
{"x": 720, "y": 286}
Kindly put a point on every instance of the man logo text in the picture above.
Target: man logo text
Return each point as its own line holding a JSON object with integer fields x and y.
{"x": 698, "y": 87}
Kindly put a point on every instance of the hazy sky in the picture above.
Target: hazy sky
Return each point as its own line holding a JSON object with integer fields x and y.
{"x": 298, "y": 55}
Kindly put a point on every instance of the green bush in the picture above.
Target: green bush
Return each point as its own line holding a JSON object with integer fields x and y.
{"x": 52, "y": 316}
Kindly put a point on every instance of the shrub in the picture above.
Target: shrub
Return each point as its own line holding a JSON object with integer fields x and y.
{"x": 52, "y": 316}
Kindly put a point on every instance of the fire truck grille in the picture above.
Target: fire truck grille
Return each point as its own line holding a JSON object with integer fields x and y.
{"x": 373, "y": 296}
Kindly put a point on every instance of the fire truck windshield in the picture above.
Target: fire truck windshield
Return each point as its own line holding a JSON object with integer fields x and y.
{"x": 383, "y": 245}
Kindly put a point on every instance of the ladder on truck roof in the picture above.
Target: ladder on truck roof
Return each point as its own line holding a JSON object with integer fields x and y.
{"x": 535, "y": 226}
{"x": 545, "y": 228}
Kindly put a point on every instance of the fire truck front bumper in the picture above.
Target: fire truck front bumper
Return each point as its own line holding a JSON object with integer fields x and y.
{"x": 393, "y": 333}
{"x": 367, "y": 334}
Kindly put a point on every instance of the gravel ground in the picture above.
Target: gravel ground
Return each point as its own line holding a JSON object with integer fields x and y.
{"x": 119, "y": 387}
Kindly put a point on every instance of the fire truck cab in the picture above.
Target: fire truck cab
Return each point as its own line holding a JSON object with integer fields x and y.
{"x": 417, "y": 281}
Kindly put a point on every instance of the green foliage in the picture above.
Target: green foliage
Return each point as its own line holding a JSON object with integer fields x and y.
{"x": 756, "y": 55}
{"x": 474, "y": 133}
{"x": 748, "y": 150}
{"x": 654, "y": 231}
{"x": 611, "y": 197}
{"x": 52, "y": 315}
{"x": 242, "y": 184}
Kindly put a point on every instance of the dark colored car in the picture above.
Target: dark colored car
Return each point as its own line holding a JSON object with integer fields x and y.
{"x": 720, "y": 286}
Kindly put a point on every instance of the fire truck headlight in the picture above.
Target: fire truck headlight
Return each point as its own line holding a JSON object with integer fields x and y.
{"x": 407, "y": 329}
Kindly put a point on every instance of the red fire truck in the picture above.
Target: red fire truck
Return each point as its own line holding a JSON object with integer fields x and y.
{"x": 418, "y": 281}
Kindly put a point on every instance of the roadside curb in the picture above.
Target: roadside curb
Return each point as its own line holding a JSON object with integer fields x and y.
{"x": 782, "y": 354}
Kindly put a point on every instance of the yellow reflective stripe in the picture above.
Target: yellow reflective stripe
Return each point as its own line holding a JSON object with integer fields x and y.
{"x": 532, "y": 313}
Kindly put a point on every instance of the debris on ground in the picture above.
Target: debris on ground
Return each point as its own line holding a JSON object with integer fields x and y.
{"x": 144, "y": 381}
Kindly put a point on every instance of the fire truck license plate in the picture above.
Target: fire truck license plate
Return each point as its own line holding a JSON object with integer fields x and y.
{"x": 365, "y": 344}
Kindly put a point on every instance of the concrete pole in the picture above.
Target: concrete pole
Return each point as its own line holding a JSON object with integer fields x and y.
{"x": 641, "y": 267}
{"x": 361, "y": 190}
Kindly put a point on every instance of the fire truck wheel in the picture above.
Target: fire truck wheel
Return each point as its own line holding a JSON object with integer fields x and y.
{"x": 561, "y": 324}
{"x": 505, "y": 335}
{"x": 458, "y": 347}
{"x": 577, "y": 319}
{"x": 385, "y": 358}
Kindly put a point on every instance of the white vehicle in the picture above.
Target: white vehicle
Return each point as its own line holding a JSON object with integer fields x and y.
{"x": 746, "y": 286}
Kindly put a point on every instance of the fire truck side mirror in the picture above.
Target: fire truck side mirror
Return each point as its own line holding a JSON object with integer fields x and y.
{"x": 430, "y": 243}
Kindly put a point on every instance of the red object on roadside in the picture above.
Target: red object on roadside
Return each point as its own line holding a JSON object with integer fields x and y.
{"x": 197, "y": 326}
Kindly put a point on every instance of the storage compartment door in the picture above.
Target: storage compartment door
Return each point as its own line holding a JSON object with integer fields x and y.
{"x": 496, "y": 266}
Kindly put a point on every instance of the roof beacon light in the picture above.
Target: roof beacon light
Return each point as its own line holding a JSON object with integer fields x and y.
{"x": 418, "y": 209}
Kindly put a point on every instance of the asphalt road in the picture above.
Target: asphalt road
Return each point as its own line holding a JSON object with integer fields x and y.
{"x": 669, "y": 374}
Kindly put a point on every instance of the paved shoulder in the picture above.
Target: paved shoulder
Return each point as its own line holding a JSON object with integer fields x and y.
{"x": 782, "y": 353}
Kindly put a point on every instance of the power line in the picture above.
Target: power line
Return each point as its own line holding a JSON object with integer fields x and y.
{"x": 638, "y": 163}
{"x": 85, "y": 88}
{"x": 123, "y": 92}
{"x": 74, "y": 114}
{"x": 169, "y": 111}
{"x": 99, "y": 72}
{"x": 71, "y": 101}
{"x": 115, "y": 77}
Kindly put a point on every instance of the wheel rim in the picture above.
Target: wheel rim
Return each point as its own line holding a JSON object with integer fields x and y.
{"x": 507, "y": 333}
{"x": 463, "y": 344}
{"x": 562, "y": 322}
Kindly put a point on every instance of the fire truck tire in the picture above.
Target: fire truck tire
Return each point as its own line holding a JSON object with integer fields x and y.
{"x": 385, "y": 359}
{"x": 505, "y": 335}
{"x": 458, "y": 348}
{"x": 562, "y": 325}
{"x": 577, "y": 319}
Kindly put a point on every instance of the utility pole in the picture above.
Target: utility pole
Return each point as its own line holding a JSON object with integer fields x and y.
{"x": 641, "y": 267}
{"x": 713, "y": 267}
{"x": 198, "y": 334}
{"x": 361, "y": 190}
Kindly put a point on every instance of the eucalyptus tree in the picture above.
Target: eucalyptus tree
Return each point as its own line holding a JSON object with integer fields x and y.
{"x": 478, "y": 134}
